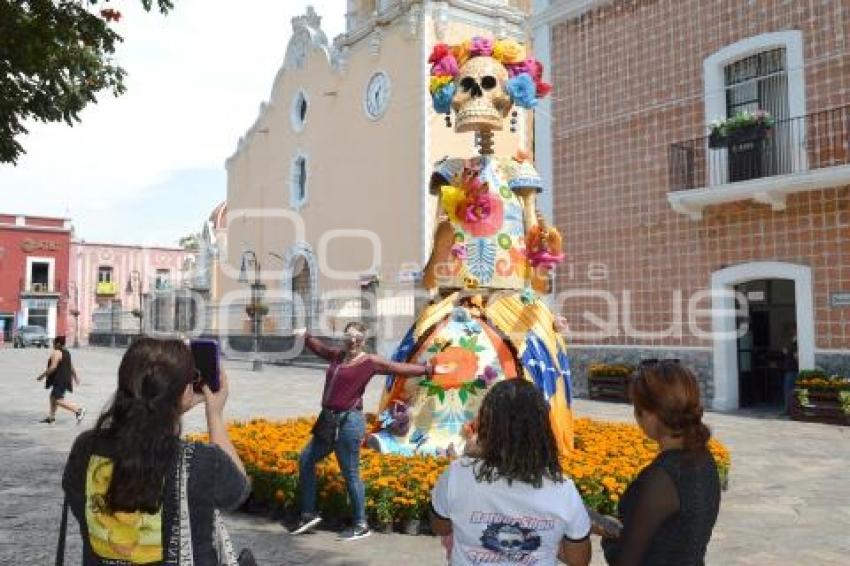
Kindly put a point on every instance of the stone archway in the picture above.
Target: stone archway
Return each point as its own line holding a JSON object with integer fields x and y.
{"x": 724, "y": 323}
{"x": 300, "y": 287}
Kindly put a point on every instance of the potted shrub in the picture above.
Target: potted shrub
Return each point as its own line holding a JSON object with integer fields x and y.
{"x": 609, "y": 382}
{"x": 822, "y": 397}
{"x": 743, "y": 127}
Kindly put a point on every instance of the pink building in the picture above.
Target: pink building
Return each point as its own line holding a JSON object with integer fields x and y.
{"x": 111, "y": 278}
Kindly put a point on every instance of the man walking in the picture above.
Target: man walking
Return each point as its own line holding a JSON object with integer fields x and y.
{"x": 61, "y": 378}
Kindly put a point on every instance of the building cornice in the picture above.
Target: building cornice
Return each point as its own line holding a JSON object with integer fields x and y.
{"x": 565, "y": 10}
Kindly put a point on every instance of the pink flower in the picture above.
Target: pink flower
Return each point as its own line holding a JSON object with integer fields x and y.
{"x": 445, "y": 67}
{"x": 544, "y": 259}
{"x": 531, "y": 66}
{"x": 477, "y": 209}
{"x": 459, "y": 251}
{"x": 481, "y": 46}
{"x": 490, "y": 375}
{"x": 483, "y": 222}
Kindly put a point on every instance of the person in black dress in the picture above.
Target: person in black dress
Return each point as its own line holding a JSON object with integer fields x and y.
{"x": 61, "y": 378}
{"x": 668, "y": 512}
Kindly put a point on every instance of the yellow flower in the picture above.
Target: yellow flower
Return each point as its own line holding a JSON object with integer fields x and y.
{"x": 508, "y": 51}
{"x": 438, "y": 83}
{"x": 461, "y": 52}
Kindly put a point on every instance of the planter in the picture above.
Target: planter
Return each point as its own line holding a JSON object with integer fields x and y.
{"x": 739, "y": 136}
{"x": 385, "y": 527}
{"x": 412, "y": 527}
{"x": 830, "y": 406}
{"x": 609, "y": 388}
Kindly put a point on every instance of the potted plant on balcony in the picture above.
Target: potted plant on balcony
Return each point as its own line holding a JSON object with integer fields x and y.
{"x": 743, "y": 127}
{"x": 609, "y": 382}
{"x": 136, "y": 313}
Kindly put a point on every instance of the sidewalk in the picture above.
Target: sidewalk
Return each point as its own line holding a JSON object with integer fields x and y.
{"x": 788, "y": 501}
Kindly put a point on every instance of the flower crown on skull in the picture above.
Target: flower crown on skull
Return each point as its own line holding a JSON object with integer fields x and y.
{"x": 525, "y": 85}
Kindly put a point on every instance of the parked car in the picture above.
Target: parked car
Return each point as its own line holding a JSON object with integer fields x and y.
{"x": 31, "y": 336}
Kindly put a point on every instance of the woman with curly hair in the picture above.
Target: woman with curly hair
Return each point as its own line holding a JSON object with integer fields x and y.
{"x": 669, "y": 510}
{"x": 508, "y": 501}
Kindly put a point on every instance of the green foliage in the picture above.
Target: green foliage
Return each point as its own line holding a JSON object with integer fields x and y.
{"x": 55, "y": 57}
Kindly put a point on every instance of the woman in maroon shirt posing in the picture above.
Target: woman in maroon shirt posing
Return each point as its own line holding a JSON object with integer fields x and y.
{"x": 349, "y": 373}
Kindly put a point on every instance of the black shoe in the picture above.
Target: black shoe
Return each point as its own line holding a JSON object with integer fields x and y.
{"x": 307, "y": 523}
{"x": 48, "y": 420}
{"x": 358, "y": 532}
{"x": 80, "y": 414}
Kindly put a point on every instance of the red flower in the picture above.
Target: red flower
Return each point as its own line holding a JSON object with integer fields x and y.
{"x": 440, "y": 51}
{"x": 543, "y": 88}
{"x": 110, "y": 15}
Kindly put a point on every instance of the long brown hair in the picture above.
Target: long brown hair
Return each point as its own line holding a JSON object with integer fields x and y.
{"x": 669, "y": 390}
{"x": 143, "y": 421}
{"x": 514, "y": 436}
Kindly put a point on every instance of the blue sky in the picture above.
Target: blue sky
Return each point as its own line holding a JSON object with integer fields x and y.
{"x": 148, "y": 167}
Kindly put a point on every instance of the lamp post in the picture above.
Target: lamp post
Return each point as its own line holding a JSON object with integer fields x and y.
{"x": 255, "y": 307}
{"x": 136, "y": 276}
{"x": 75, "y": 311}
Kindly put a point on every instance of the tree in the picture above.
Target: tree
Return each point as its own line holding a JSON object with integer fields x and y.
{"x": 190, "y": 242}
{"x": 55, "y": 56}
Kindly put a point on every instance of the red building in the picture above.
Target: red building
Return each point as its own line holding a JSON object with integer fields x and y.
{"x": 34, "y": 254}
{"x": 715, "y": 245}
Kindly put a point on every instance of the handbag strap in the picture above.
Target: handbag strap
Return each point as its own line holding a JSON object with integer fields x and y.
{"x": 186, "y": 548}
{"x": 63, "y": 531}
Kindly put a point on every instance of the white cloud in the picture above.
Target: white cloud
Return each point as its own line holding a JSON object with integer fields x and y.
{"x": 195, "y": 81}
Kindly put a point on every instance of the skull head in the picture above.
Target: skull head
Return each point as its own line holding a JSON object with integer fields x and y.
{"x": 481, "y": 102}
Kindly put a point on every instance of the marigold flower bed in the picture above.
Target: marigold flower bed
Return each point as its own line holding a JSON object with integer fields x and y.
{"x": 608, "y": 456}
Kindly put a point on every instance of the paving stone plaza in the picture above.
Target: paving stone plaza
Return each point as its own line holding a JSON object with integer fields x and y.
{"x": 788, "y": 500}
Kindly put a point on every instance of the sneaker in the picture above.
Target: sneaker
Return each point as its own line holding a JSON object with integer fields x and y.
{"x": 48, "y": 420}
{"x": 358, "y": 532}
{"x": 307, "y": 523}
{"x": 81, "y": 414}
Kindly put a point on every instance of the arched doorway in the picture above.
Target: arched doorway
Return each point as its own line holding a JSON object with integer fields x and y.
{"x": 772, "y": 308}
{"x": 301, "y": 294}
{"x": 299, "y": 287}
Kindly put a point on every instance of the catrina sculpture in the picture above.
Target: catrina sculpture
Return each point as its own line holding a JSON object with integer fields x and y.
{"x": 492, "y": 255}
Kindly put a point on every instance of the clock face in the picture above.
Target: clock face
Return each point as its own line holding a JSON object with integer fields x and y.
{"x": 377, "y": 95}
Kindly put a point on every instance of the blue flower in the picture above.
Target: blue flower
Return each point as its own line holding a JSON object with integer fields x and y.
{"x": 460, "y": 314}
{"x": 442, "y": 98}
{"x": 522, "y": 90}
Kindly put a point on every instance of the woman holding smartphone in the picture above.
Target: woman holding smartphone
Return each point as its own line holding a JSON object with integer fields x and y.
{"x": 123, "y": 478}
{"x": 341, "y": 427}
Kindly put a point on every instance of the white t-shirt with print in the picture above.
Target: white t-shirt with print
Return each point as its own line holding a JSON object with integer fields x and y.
{"x": 497, "y": 523}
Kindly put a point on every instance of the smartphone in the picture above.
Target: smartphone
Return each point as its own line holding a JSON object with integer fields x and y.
{"x": 207, "y": 360}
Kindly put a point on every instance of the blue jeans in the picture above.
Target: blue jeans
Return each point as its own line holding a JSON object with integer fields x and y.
{"x": 788, "y": 389}
{"x": 347, "y": 449}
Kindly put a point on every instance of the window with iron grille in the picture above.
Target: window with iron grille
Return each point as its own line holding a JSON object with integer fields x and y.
{"x": 760, "y": 82}
{"x": 298, "y": 182}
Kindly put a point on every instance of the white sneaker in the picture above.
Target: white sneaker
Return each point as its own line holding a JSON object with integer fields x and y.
{"x": 81, "y": 414}
{"x": 306, "y": 523}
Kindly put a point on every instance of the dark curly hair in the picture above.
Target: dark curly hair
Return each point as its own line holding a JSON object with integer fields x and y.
{"x": 515, "y": 439}
{"x": 143, "y": 421}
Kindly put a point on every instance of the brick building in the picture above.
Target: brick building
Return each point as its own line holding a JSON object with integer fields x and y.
{"x": 667, "y": 232}
{"x": 33, "y": 273}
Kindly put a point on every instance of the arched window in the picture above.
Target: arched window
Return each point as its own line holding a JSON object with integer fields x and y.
{"x": 298, "y": 182}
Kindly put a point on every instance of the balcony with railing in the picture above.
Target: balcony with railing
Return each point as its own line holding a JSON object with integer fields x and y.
{"x": 36, "y": 289}
{"x": 106, "y": 289}
{"x": 796, "y": 155}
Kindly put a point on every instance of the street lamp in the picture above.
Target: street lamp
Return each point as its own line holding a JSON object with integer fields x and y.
{"x": 75, "y": 311}
{"x": 255, "y": 309}
{"x": 136, "y": 276}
